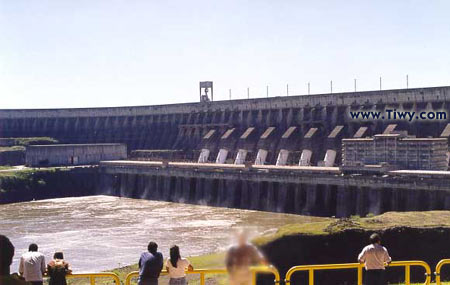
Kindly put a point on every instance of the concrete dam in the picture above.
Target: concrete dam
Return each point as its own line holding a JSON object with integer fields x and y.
{"x": 273, "y": 154}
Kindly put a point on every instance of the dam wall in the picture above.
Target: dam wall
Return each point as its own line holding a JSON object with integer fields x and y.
{"x": 287, "y": 125}
{"x": 299, "y": 190}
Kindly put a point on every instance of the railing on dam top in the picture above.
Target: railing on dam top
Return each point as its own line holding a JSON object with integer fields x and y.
{"x": 204, "y": 272}
{"x": 359, "y": 267}
{"x": 93, "y": 276}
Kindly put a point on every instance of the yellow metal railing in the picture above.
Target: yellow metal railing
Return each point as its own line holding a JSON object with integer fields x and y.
{"x": 204, "y": 272}
{"x": 408, "y": 264}
{"x": 272, "y": 270}
{"x": 312, "y": 268}
{"x": 437, "y": 272}
{"x": 92, "y": 276}
{"x": 359, "y": 267}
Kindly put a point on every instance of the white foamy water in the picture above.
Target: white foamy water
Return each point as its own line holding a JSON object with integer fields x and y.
{"x": 101, "y": 232}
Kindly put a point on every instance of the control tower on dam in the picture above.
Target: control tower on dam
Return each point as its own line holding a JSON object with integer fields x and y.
{"x": 305, "y": 130}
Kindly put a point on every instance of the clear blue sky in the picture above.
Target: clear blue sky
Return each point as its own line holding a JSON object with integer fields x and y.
{"x": 107, "y": 53}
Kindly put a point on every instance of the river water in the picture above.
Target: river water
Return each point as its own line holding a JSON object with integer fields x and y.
{"x": 102, "y": 232}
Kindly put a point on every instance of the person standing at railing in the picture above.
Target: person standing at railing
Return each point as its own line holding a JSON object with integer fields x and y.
{"x": 150, "y": 265}
{"x": 57, "y": 269}
{"x": 176, "y": 266}
{"x": 240, "y": 257}
{"x": 6, "y": 257}
{"x": 374, "y": 256}
{"x": 32, "y": 265}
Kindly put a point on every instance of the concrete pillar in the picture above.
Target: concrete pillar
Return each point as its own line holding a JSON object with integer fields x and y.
{"x": 222, "y": 156}
{"x": 361, "y": 199}
{"x": 299, "y": 198}
{"x": 149, "y": 187}
{"x": 141, "y": 191}
{"x": 230, "y": 195}
{"x": 255, "y": 195}
{"x": 311, "y": 199}
{"x": 281, "y": 197}
{"x": 375, "y": 201}
{"x": 222, "y": 194}
{"x": 123, "y": 185}
{"x": 204, "y": 155}
{"x": 240, "y": 156}
{"x": 199, "y": 191}
{"x": 343, "y": 202}
{"x": 271, "y": 197}
{"x": 305, "y": 158}
{"x": 261, "y": 157}
{"x": 282, "y": 157}
{"x": 245, "y": 195}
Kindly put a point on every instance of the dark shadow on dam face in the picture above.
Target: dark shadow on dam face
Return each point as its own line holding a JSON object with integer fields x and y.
{"x": 316, "y": 199}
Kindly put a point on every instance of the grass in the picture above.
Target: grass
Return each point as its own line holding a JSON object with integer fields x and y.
{"x": 12, "y": 148}
{"x": 34, "y": 141}
{"x": 6, "y": 167}
{"x": 426, "y": 219}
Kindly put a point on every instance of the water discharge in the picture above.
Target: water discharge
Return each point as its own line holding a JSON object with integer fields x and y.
{"x": 102, "y": 232}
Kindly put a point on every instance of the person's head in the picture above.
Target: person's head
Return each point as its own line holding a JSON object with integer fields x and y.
{"x": 174, "y": 255}
{"x": 58, "y": 255}
{"x": 242, "y": 237}
{"x": 152, "y": 247}
{"x": 6, "y": 254}
{"x": 375, "y": 238}
{"x": 33, "y": 247}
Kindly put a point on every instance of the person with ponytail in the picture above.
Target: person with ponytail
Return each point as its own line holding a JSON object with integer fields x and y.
{"x": 176, "y": 266}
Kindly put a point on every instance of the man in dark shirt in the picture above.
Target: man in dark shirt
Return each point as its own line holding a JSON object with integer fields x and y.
{"x": 150, "y": 265}
{"x": 6, "y": 256}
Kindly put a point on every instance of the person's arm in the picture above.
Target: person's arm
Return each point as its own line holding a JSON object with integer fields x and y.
{"x": 362, "y": 256}
{"x": 68, "y": 268}
{"x": 49, "y": 268}
{"x": 189, "y": 265}
{"x": 167, "y": 265}
{"x": 43, "y": 267}
{"x": 258, "y": 257}
{"x": 139, "y": 263}
{"x": 21, "y": 266}
{"x": 387, "y": 258}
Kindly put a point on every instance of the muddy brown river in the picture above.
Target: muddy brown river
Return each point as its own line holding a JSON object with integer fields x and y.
{"x": 102, "y": 232}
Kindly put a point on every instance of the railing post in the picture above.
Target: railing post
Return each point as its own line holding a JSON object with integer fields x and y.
{"x": 360, "y": 275}
{"x": 92, "y": 280}
{"x": 254, "y": 278}
{"x": 202, "y": 278}
{"x": 407, "y": 274}
{"x": 311, "y": 276}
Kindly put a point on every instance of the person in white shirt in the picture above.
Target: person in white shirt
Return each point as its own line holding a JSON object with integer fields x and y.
{"x": 176, "y": 266}
{"x": 374, "y": 256}
{"x": 32, "y": 265}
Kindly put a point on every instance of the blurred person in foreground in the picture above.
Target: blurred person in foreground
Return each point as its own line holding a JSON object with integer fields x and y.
{"x": 240, "y": 257}
{"x": 150, "y": 265}
{"x": 374, "y": 256}
{"x": 57, "y": 269}
{"x": 6, "y": 257}
{"x": 176, "y": 266}
{"x": 32, "y": 265}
